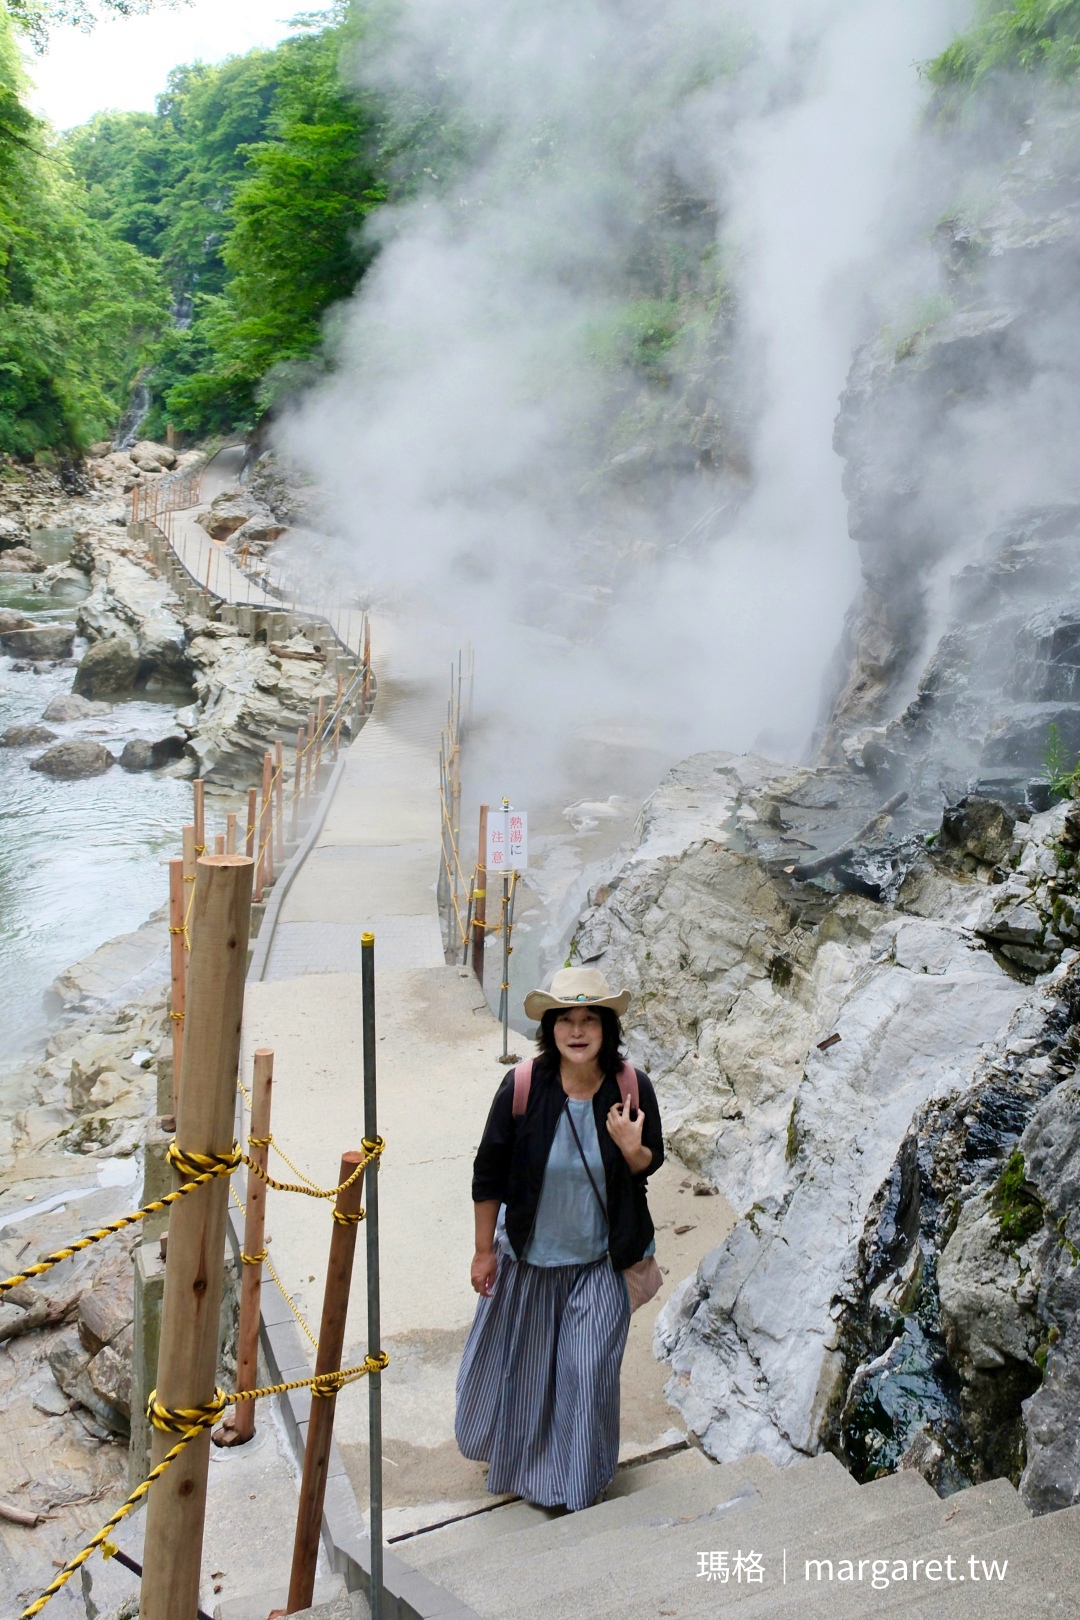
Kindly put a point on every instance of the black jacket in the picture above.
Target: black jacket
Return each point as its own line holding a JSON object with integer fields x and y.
{"x": 513, "y": 1154}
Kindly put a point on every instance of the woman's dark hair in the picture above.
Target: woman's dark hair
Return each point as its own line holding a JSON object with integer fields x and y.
{"x": 610, "y": 1058}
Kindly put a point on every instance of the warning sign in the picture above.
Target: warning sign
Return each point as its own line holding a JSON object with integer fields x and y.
{"x": 507, "y": 840}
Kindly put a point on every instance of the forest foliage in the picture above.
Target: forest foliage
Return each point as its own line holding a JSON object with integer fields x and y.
{"x": 196, "y": 248}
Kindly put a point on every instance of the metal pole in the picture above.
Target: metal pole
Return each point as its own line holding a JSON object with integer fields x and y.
{"x": 374, "y": 1382}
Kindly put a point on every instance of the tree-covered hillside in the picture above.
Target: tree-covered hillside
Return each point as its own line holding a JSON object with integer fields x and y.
{"x": 247, "y": 188}
{"x": 78, "y": 304}
{"x": 196, "y": 248}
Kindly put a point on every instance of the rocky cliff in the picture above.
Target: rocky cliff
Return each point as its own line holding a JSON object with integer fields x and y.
{"x": 856, "y": 984}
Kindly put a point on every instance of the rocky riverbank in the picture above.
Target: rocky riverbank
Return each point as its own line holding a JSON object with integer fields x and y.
{"x": 234, "y": 694}
{"x": 73, "y": 1121}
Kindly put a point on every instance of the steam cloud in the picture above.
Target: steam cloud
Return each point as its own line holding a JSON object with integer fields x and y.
{"x": 469, "y": 438}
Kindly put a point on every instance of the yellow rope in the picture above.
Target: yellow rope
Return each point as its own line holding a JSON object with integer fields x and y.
{"x": 188, "y": 1422}
{"x": 201, "y": 1167}
{"x": 269, "y": 1264}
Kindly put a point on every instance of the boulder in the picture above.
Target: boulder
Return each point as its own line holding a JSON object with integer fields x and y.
{"x": 10, "y": 620}
{"x": 147, "y": 450}
{"x": 19, "y": 559}
{"x": 27, "y": 737}
{"x": 104, "y": 1313}
{"x": 142, "y": 755}
{"x": 230, "y": 513}
{"x": 109, "y": 667}
{"x": 39, "y": 641}
{"x": 260, "y": 530}
{"x": 12, "y": 533}
{"x": 981, "y": 828}
{"x": 68, "y": 706}
{"x": 103, "y": 447}
{"x": 73, "y": 760}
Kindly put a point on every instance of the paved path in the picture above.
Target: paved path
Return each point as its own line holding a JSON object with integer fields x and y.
{"x": 374, "y": 866}
{"x": 211, "y": 563}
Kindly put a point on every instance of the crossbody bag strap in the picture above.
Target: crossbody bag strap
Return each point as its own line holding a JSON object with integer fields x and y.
{"x": 585, "y": 1162}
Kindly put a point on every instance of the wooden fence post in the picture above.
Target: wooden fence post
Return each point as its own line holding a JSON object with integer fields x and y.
{"x": 239, "y": 1426}
{"x": 296, "y": 784}
{"x": 480, "y": 898}
{"x": 199, "y": 788}
{"x": 178, "y": 968}
{"x": 321, "y": 1423}
{"x": 279, "y": 802}
{"x": 252, "y": 818}
{"x": 193, "y": 1275}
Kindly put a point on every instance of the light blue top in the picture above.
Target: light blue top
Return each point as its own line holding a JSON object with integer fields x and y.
{"x": 570, "y": 1229}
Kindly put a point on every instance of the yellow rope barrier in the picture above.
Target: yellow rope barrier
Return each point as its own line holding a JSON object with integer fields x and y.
{"x": 201, "y": 1167}
{"x": 188, "y": 1422}
{"x": 269, "y": 1264}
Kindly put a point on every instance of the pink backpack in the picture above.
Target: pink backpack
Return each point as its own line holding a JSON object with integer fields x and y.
{"x": 523, "y": 1072}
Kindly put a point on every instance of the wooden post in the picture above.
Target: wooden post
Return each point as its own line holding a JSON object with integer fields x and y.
{"x": 219, "y": 843}
{"x": 200, "y": 816}
{"x": 187, "y": 1361}
{"x": 328, "y": 1359}
{"x": 366, "y": 692}
{"x": 230, "y": 833}
{"x": 337, "y": 717}
{"x": 480, "y": 898}
{"x": 239, "y": 1426}
{"x": 279, "y": 802}
{"x": 178, "y": 966}
{"x": 296, "y": 784}
{"x": 252, "y": 817}
{"x": 264, "y": 855}
{"x": 309, "y": 756}
{"x": 320, "y": 721}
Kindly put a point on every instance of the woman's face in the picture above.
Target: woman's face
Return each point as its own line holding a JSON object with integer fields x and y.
{"x": 579, "y": 1035}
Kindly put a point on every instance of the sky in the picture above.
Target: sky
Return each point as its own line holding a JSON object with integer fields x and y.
{"x": 124, "y": 63}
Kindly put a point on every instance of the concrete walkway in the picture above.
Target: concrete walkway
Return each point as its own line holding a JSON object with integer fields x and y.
{"x": 212, "y": 565}
{"x": 374, "y": 866}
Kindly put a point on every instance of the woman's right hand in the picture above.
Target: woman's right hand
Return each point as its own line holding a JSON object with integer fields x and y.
{"x": 482, "y": 1272}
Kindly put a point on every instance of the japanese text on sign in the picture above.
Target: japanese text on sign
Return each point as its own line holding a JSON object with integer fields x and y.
{"x": 507, "y": 840}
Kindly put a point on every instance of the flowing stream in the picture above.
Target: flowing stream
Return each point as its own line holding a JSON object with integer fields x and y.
{"x": 80, "y": 862}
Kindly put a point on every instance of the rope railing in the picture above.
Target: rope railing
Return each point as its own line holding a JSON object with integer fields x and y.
{"x": 188, "y": 1422}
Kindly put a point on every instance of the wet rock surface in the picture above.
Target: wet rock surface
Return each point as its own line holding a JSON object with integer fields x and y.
{"x": 746, "y": 924}
{"x": 20, "y": 560}
{"x": 39, "y": 641}
{"x": 110, "y": 668}
{"x": 73, "y": 760}
{"x": 26, "y": 737}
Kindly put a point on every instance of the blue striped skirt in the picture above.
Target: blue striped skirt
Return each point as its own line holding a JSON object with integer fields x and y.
{"x": 538, "y": 1387}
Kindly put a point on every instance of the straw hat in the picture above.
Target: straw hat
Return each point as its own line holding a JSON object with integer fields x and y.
{"x": 576, "y": 987}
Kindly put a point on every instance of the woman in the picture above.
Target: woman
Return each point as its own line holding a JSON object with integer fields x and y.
{"x": 559, "y": 1194}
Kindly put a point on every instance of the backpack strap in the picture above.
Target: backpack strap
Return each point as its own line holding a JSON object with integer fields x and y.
{"x": 522, "y": 1082}
{"x": 628, "y": 1085}
{"x": 523, "y": 1072}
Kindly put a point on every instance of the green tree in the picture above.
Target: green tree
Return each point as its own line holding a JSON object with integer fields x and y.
{"x": 1023, "y": 36}
{"x": 77, "y": 305}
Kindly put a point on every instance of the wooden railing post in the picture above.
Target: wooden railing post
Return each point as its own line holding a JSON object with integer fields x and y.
{"x": 239, "y": 1426}
{"x": 191, "y": 1309}
{"x": 328, "y": 1359}
{"x": 480, "y": 898}
{"x": 178, "y": 969}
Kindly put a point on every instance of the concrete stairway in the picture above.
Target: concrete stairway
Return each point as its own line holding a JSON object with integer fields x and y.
{"x": 638, "y": 1554}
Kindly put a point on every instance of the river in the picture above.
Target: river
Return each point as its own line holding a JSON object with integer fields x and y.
{"x": 79, "y": 861}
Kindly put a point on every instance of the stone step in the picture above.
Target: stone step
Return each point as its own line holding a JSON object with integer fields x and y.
{"x": 632, "y": 1570}
{"x": 725, "y": 1489}
{"x": 1041, "y": 1582}
{"x": 482, "y": 1530}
